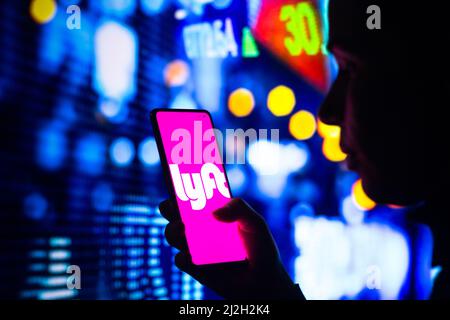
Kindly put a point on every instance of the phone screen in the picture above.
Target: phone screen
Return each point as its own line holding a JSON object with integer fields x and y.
{"x": 200, "y": 185}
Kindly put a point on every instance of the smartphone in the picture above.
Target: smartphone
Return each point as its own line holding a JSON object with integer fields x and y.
{"x": 195, "y": 174}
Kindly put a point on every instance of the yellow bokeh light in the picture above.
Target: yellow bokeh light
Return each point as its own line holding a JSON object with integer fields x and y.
{"x": 331, "y": 149}
{"x": 241, "y": 102}
{"x": 42, "y": 11}
{"x": 326, "y": 130}
{"x": 281, "y": 101}
{"x": 360, "y": 198}
{"x": 302, "y": 125}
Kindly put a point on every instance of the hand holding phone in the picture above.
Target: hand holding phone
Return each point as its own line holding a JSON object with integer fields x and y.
{"x": 263, "y": 277}
{"x": 205, "y": 223}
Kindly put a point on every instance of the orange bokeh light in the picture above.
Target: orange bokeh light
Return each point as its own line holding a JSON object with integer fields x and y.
{"x": 176, "y": 73}
{"x": 241, "y": 102}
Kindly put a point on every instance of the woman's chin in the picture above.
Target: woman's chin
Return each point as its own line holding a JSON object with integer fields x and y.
{"x": 390, "y": 192}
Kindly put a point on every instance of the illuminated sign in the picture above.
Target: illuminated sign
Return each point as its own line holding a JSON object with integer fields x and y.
{"x": 292, "y": 31}
{"x": 217, "y": 40}
{"x": 301, "y": 24}
{"x": 208, "y": 40}
{"x": 249, "y": 46}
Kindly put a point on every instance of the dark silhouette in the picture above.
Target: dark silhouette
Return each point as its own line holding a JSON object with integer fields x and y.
{"x": 389, "y": 99}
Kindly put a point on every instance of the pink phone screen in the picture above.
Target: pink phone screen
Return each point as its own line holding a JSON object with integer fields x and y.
{"x": 200, "y": 185}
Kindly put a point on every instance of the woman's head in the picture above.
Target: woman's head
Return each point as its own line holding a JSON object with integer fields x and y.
{"x": 385, "y": 98}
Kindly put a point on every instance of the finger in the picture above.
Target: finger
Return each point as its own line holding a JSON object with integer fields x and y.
{"x": 168, "y": 210}
{"x": 211, "y": 276}
{"x": 206, "y": 276}
{"x": 175, "y": 235}
{"x": 238, "y": 210}
{"x": 183, "y": 261}
{"x": 258, "y": 240}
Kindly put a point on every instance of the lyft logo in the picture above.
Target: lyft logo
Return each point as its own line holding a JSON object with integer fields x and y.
{"x": 199, "y": 187}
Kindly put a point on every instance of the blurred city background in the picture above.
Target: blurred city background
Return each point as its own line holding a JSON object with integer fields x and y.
{"x": 80, "y": 174}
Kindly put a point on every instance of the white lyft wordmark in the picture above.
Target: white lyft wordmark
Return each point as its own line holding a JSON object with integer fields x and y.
{"x": 198, "y": 187}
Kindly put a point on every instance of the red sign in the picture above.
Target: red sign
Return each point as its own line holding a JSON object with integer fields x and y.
{"x": 292, "y": 31}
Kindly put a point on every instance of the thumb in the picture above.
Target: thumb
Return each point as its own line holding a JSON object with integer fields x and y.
{"x": 237, "y": 210}
{"x": 257, "y": 238}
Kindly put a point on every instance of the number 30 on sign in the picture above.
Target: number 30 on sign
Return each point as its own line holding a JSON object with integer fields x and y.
{"x": 301, "y": 25}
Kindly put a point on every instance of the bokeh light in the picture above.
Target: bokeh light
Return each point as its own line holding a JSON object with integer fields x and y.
{"x": 102, "y": 197}
{"x": 183, "y": 100}
{"x": 42, "y": 11}
{"x": 176, "y": 73}
{"x": 306, "y": 190}
{"x": 35, "y": 206}
{"x": 301, "y": 209}
{"x": 270, "y": 158}
{"x": 295, "y": 156}
{"x": 264, "y": 157}
{"x": 114, "y": 111}
{"x": 152, "y": 7}
{"x": 272, "y": 185}
{"x": 395, "y": 206}
{"x": 117, "y": 8}
{"x": 351, "y": 213}
{"x": 241, "y": 102}
{"x": 281, "y": 101}
{"x": 181, "y": 14}
{"x": 114, "y": 75}
{"x": 327, "y": 131}
{"x": 122, "y": 152}
{"x": 332, "y": 243}
{"x": 51, "y": 147}
{"x": 221, "y": 4}
{"x": 237, "y": 179}
{"x": 360, "y": 198}
{"x": 332, "y": 150}
{"x": 148, "y": 152}
{"x": 302, "y": 125}
{"x": 90, "y": 154}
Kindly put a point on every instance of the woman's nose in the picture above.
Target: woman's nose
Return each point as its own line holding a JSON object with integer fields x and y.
{"x": 332, "y": 108}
